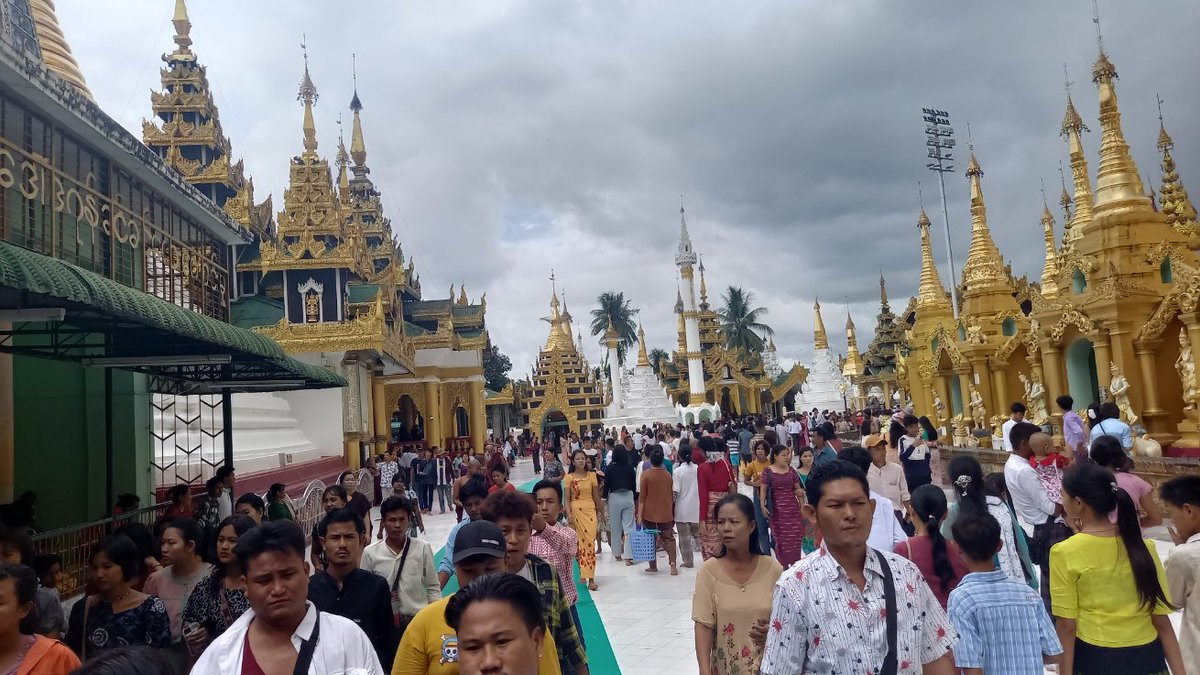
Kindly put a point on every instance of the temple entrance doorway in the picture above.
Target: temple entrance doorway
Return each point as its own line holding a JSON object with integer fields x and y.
{"x": 1082, "y": 382}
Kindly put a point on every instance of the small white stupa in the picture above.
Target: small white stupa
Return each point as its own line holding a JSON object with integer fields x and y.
{"x": 824, "y": 387}
{"x": 643, "y": 398}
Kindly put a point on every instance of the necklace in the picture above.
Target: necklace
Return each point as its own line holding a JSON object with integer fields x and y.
{"x": 120, "y": 598}
{"x": 1103, "y": 529}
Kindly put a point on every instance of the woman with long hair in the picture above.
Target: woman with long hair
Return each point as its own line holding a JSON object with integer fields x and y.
{"x": 994, "y": 486}
{"x": 966, "y": 477}
{"x": 942, "y": 568}
{"x": 936, "y": 471}
{"x": 809, "y": 543}
{"x": 1108, "y": 590}
{"x": 733, "y": 593}
{"x": 174, "y": 583}
{"x": 22, "y": 650}
{"x": 752, "y": 470}
{"x": 781, "y": 496}
{"x": 715, "y": 479}
{"x": 1108, "y": 453}
{"x": 278, "y": 504}
{"x": 220, "y": 598}
{"x": 620, "y": 482}
{"x": 687, "y": 506}
{"x": 583, "y": 504}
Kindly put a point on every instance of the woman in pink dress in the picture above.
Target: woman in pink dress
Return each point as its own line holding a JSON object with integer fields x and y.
{"x": 781, "y": 495}
{"x": 714, "y": 479}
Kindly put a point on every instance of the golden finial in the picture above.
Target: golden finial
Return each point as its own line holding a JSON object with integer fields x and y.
{"x": 1172, "y": 196}
{"x": 342, "y": 160}
{"x": 930, "y": 292}
{"x": 1050, "y": 268}
{"x": 984, "y": 263}
{"x": 358, "y": 148}
{"x": 853, "y": 365}
{"x": 820, "y": 339}
{"x": 308, "y": 94}
{"x": 883, "y": 300}
{"x": 703, "y": 284}
{"x": 462, "y": 295}
{"x": 183, "y": 27}
{"x": 1117, "y": 178}
{"x": 611, "y": 336}
{"x": 643, "y": 358}
{"x": 1064, "y": 199}
{"x": 1073, "y": 126}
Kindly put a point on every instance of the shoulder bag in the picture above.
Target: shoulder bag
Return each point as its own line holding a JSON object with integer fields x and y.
{"x": 308, "y": 647}
{"x": 890, "y": 662}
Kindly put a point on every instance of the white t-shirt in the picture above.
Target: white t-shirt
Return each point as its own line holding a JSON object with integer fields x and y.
{"x": 792, "y": 426}
{"x": 885, "y": 529}
{"x": 687, "y": 491}
{"x": 638, "y": 440}
{"x": 1007, "y": 427}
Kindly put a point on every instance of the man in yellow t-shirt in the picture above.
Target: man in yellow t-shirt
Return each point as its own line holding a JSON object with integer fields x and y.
{"x": 430, "y": 645}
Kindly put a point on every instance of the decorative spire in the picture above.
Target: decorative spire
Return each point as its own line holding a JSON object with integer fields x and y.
{"x": 883, "y": 287}
{"x": 820, "y": 339}
{"x": 930, "y": 292}
{"x": 462, "y": 295}
{"x": 56, "y": 53}
{"x": 1064, "y": 199}
{"x": 684, "y": 255}
{"x": 358, "y": 149}
{"x": 853, "y": 365}
{"x": 984, "y": 264}
{"x": 308, "y": 95}
{"x": 1173, "y": 197}
{"x": 1050, "y": 269}
{"x": 1117, "y": 178}
{"x": 611, "y": 336}
{"x": 703, "y": 287}
{"x": 678, "y": 300}
{"x": 1072, "y": 128}
{"x": 643, "y": 358}
{"x": 342, "y": 160}
{"x": 183, "y": 28}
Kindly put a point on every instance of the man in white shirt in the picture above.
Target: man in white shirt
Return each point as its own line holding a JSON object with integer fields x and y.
{"x": 225, "y": 501}
{"x": 1017, "y": 416}
{"x": 638, "y": 440}
{"x": 886, "y": 531}
{"x": 793, "y": 428}
{"x": 886, "y": 478}
{"x": 1040, "y": 516}
{"x": 282, "y": 631}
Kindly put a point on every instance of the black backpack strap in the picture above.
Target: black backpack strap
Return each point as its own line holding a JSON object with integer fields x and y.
{"x": 308, "y": 647}
{"x": 890, "y": 663}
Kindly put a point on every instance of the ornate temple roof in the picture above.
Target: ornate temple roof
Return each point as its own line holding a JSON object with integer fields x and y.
{"x": 880, "y": 359}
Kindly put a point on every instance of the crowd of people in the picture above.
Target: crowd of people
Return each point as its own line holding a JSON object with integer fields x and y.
{"x": 817, "y": 554}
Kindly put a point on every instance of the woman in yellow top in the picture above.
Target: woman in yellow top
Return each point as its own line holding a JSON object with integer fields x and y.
{"x": 1108, "y": 591}
{"x": 733, "y": 594}
{"x": 583, "y": 504}
{"x": 752, "y": 476}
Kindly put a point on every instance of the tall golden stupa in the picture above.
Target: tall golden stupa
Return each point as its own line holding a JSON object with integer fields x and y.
{"x": 1113, "y": 316}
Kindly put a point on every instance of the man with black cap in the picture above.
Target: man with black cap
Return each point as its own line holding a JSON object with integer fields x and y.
{"x": 429, "y": 644}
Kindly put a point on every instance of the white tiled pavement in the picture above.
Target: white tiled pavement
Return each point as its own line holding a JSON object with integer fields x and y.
{"x": 648, "y": 616}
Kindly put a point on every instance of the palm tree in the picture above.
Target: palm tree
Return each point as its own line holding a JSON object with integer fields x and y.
{"x": 657, "y": 356}
{"x": 615, "y": 308}
{"x": 742, "y": 325}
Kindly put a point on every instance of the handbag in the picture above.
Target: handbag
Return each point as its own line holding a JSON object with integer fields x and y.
{"x": 890, "y": 664}
{"x": 642, "y": 544}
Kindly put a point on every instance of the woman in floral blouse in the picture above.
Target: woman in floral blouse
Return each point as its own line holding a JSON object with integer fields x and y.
{"x": 117, "y": 615}
{"x": 220, "y": 598}
{"x": 733, "y": 593}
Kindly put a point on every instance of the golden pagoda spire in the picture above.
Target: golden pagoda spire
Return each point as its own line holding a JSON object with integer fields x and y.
{"x": 1117, "y": 178}
{"x": 984, "y": 264}
{"x": 183, "y": 28}
{"x": 820, "y": 339}
{"x": 643, "y": 359}
{"x": 703, "y": 287}
{"x": 56, "y": 53}
{"x": 358, "y": 148}
{"x": 611, "y": 336}
{"x": 1072, "y": 128}
{"x": 853, "y": 366}
{"x": 1173, "y": 197}
{"x": 930, "y": 292}
{"x": 1050, "y": 268}
{"x": 882, "y": 289}
{"x": 308, "y": 95}
{"x": 1064, "y": 200}
{"x": 343, "y": 162}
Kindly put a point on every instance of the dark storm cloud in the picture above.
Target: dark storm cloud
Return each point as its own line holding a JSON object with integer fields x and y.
{"x": 512, "y": 137}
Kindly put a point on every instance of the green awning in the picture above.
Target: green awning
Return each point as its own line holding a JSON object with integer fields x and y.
{"x": 106, "y": 319}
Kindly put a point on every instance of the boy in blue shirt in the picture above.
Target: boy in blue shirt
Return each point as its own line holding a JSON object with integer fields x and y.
{"x": 1001, "y": 623}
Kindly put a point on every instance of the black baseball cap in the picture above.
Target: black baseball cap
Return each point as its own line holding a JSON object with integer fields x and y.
{"x": 479, "y": 537}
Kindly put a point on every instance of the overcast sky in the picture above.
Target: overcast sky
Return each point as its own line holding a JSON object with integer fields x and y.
{"x": 509, "y": 137}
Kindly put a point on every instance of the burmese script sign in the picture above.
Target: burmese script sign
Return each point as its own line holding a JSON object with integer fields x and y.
{"x": 64, "y": 200}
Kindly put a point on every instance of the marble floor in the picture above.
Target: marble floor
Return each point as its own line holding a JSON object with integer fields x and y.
{"x": 648, "y": 616}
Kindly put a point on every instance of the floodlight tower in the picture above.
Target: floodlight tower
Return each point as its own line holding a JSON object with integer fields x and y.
{"x": 939, "y": 137}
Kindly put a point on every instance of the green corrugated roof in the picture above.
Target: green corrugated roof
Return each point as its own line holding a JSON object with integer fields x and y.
{"x": 413, "y": 330}
{"x": 362, "y": 292}
{"x": 466, "y": 311}
{"x": 255, "y": 310}
{"x": 32, "y": 272}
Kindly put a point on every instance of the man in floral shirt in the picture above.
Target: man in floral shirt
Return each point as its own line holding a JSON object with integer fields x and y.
{"x": 829, "y": 611}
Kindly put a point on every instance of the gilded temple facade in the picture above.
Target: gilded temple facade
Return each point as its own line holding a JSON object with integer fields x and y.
{"x": 1113, "y": 316}
{"x": 703, "y": 369}
{"x": 562, "y": 394}
{"x": 327, "y": 279}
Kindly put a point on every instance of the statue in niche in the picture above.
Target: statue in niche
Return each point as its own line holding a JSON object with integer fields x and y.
{"x": 978, "y": 413}
{"x": 938, "y": 405}
{"x": 312, "y": 307}
{"x": 1186, "y": 365}
{"x": 1037, "y": 400}
{"x": 1118, "y": 388}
